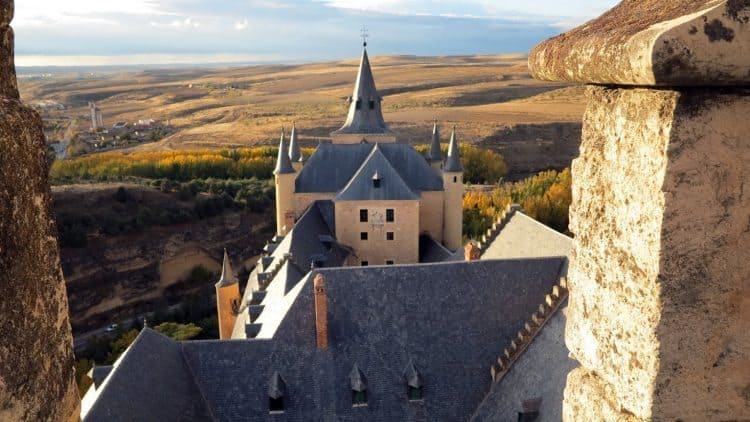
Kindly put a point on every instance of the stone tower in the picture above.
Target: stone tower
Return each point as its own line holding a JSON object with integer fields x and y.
{"x": 295, "y": 152}
{"x": 435, "y": 154}
{"x": 227, "y": 299}
{"x": 659, "y": 276}
{"x": 36, "y": 351}
{"x": 284, "y": 176}
{"x": 453, "y": 182}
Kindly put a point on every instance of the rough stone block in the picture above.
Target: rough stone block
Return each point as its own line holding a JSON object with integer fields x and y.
{"x": 588, "y": 398}
{"x": 659, "y": 272}
{"x": 6, "y": 12}
{"x": 36, "y": 350}
{"x": 8, "y": 84}
{"x": 654, "y": 42}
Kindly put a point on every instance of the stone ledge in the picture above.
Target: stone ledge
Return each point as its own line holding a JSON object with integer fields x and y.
{"x": 653, "y": 43}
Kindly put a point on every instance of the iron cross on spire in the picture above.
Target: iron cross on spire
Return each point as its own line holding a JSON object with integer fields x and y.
{"x": 365, "y": 35}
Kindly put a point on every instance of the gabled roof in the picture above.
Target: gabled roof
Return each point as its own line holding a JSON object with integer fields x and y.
{"x": 357, "y": 379}
{"x": 453, "y": 161}
{"x": 376, "y": 179}
{"x": 276, "y": 387}
{"x": 412, "y": 376}
{"x": 365, "y": 113}
{"x": 151, "y": 381}
{"x": 332, "y": 166}
{"x": 283, "y": 163}
{"x": 435, "y": 154}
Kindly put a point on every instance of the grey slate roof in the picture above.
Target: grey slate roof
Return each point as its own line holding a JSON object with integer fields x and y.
{"x": 376, "y": 168}
{"x": 99, "y": 374}
{"x": 450, "y": 320}
{"x": 453, "y": 161}
{"x": 295, "y": 153}
{"x": 283, "y": 163}
{"x": 431, "y": 251}
{"x": 150, "y": 382}
{"x": 539, "y": 373}
{"x": 332, "y": 166}
{"x": 362, "y": 118}
{"x": 435, "y": 154}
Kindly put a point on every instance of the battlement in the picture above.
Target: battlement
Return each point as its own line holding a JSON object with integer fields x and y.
{"x": 502, "y": 220}
{"x": 529, "y": 331}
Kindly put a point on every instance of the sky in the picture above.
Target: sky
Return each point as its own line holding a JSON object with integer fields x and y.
{"x": 109, "y": 32}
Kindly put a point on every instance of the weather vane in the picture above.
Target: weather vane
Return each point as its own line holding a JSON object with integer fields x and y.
{"x": 365, "y": 35}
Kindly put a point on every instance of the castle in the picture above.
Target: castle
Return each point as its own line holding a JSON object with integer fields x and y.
{"x": 366, "y": 305}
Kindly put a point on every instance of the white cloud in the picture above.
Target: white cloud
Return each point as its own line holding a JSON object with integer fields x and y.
{"x": 177, "y": 23}
{"x": 241, "y": 26}
{"x": 34, "y": 12}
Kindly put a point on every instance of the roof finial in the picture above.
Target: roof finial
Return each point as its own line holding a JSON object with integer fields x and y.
{"x": 365, "y": 35}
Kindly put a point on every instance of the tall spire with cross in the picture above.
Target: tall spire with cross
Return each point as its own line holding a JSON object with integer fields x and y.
{"x": 365, "y": 35}
{"x": 365, "y": 120}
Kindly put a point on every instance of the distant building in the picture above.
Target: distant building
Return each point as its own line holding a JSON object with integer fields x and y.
{"x": 97, "y": 121}
{"x": 120, "y": 126}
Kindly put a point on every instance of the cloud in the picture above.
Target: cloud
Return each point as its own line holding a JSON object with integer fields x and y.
{"x": 241, "y": 26}
{"x": 177, "y": 23}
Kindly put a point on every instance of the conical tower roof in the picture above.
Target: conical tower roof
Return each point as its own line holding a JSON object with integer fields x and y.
{"x": 453, "y": 162}
{"x": 435, "y": 153}
{"x": 365, "y": 113}
{"x": 295, "y": 152}
{"x": 227, "y": 275}
{"x": 283, "y": 163}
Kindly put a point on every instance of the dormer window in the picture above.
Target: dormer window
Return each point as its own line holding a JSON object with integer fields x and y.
{"x": 414, "y": 384}
{"x": 276, "y": 393}
{"x": 376, "y": 181}
{"x": 358, "y": 383}
{"x": 530, "y": 410}
{"x": 372, "y": 104}
{"x": 358, "y": 105}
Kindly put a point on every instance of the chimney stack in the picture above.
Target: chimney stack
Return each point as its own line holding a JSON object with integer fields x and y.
{"x": 472, "y": 252}
{"x": 290, "y": 217}
{"x": 321, "y": 311}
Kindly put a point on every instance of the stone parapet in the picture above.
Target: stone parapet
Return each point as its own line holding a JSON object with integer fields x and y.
{"x": 654, "y": 43}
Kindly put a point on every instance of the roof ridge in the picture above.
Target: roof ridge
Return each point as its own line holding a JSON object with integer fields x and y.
{"x": 530, "y": 330}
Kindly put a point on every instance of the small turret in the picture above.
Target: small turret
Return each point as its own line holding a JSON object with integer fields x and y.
{"x": 435, "y": 155}
{"x": 227, "y": 299}
{"x": 284, "y": 179}
{"x": 453, "y": 184}
{"x": 295, "y": 152}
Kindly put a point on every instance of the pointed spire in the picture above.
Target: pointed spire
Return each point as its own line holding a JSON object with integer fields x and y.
{"x": 453, "y": 162}
{"x": 283, "y": 164}
{"x": 295, "y": 153}
{"x": 435, "y": 153}
{"x": 365, "y": 114}
{"x": 227, "y": 275}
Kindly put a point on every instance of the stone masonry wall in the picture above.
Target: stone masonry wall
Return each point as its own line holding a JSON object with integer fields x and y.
{"x": 36, "y": 351}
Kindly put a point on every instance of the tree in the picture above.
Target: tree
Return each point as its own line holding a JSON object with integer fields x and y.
{"x": 179, "y": 332}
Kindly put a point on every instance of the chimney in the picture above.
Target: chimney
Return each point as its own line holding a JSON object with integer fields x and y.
{"x": 290, "y": 217}
{"x": 472, "y": 252}
{"x": 321, "y": 311}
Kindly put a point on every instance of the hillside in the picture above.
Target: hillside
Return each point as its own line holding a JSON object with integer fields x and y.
{"x": 492, "y": 99}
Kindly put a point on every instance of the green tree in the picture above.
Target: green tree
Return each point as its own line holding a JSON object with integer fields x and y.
{"x": 179, "y": 332}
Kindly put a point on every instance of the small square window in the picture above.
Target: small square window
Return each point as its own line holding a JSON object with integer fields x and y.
{"x": 390, "y": 215}
{"x": 362, "y": 216}
{"x": 372, "y": 104}
{"x": 414, "y": 393}
{"x": 389, "y": 236}
{"x": 359, "y": 398}
{"x": 276, "y": 405}
{"x": 358, "y": 105}
{"x": 389, "y": 262}
{"x": 365, "y": 263}
{"x": 363, "y": 236}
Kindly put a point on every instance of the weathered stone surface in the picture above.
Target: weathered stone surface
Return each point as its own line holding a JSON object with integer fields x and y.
{"x": 6, "y": 12}
{"x": 654, "y": 42}
{"x": 588, "y": 398}
{"x": 8, "y": 83}
{"x": 36, "y": 354}
{"x": 660, "y": 286}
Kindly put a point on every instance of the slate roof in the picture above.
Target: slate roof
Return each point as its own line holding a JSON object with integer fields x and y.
{"x": 435, "y": 154}
{"x": 295, "y": 152}
{"x": 99, "y": 373}
{"x": 376, "y": 180}
{"x": 283, "y": 163}
{"x": 332, "y": 166}
{"x": 362, "y": 118}
{"x": 453, "y": 161}
{"x": 150, "y": 382}
{"x": 431, "y": 251}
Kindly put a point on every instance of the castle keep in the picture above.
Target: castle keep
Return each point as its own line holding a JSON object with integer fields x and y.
{"x": 384, "y": 194}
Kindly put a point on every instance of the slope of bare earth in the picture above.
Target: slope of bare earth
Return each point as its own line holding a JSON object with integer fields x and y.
{"x": 493, "y": 100}
{"x": 117, "y": 276}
